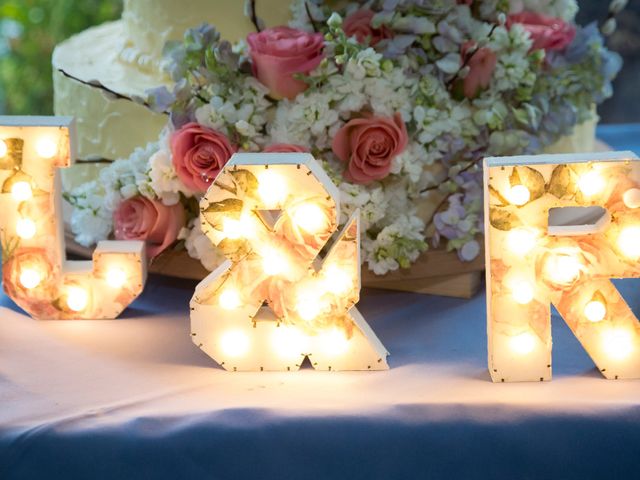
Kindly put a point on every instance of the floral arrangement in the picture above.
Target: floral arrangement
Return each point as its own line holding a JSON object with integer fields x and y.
{"x": 399, "y": 99}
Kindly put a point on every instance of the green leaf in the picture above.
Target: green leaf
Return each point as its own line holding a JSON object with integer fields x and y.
{"x": 503, "y": 219}
{"x": 561, "y": 184}
{"x": 228, "y": 205}
{"x": 245, "y": 181}
{"x": 530, "y": 178}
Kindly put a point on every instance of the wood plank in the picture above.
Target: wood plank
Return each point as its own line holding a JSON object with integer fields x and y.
{"x": 464, "y": 285}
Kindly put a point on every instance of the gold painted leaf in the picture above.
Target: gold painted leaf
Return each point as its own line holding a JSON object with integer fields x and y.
{"x": 234, "y": 249}
{"x": 228, "y": 205}
{"x": 530, "y": 178}
{"x": 503, "y": 219}
{"x": 245, "y": 181}
{"x": 561, "y": 184}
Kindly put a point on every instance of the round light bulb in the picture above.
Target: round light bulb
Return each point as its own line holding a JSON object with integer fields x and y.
{"x": 522, "y": 292}
{"x": 21, "y": 191}
{"x": 629, "y": 242}
{"x": 334, "y": 342}
{"x": 595, "y": 311}
{"x": 591, "y": 183}
{"x": 289, "y": 342}
{"x": 235, "y": 343}
{"x": 231, "y": 228}
{"x": 46, "y": 147}
{"x": 273, "y": 262}
{"x": 30, "y": 278}
{"x": 519, "y": 195}
{"x": 3, "y": 149}
{"x": 562, "y": 268}
{"x": 308, "y": 308}
{"x": 272, "y": 188}
{"x": 26, "y": 228}
{"x": 77, "y": 299}
{"x": 310, "y": 217}
{"x": 338, "y": 281}
{"x": 522, "y": 344}
{"x": 617, "y": 343}
{"x": 230, "y": 299}
{"x": 521, "y": 240}
{"x": 631, "y": 198}
{"x": 116, "y": 277}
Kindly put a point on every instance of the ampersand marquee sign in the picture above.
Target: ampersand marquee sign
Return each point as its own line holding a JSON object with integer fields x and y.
{"x": 559, "y": 228}
{"x": 35, "y": 272}
{"x": 287, "y": 289}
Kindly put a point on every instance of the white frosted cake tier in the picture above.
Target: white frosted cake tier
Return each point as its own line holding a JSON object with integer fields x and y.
{"x": 149, "y": 24}
{"x": 101, "y": 75}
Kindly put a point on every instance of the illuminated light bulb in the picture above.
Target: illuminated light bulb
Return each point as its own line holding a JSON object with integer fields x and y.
{"x": 46, "y": 147}
{"x": 310, "y": 217}
{"x": 629, "y": 242}
{"x": 523, "y": 343}
{"x": 591, "y": 183}
{"x": 234, "y": 229}
{"x": 3, "y": 149}
{"x": 30, "y": 278}
{"x": 116, "y": 277}
{"x": 231, "y": 228}
{"x": 522, "y": 292}
{"x": 617, "y": 343}
{"x": 77, "y": 299}
{"x": 21, "y": 191}
{"x": 308, "y": 308}
{"x": 631, "y": 198}
{"x": 337, "y": 280}
{"x": 519, "y": 195}
{"x": 235, "y": 343}
{"x": 521, "y": 240}
{"x": 289, "y": 342}
{"x": 273, "y": 262}
{"x": 26, "y": 228}
{"x": 334, "y": 342}
{"x": 272, "y": 188}
{"x": 595, "y": 311}
{"x": 562, "y": 268}
{"x": 230, "y": 299}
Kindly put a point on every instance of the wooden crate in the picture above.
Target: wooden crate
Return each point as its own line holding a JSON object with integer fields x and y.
{"x": 436, "y": 272}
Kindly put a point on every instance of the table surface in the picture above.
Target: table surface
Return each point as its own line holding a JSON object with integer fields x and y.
{"x": 134, "y": 397}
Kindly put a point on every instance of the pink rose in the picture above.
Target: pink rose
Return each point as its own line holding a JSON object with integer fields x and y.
{"x": 358, "y": 25}
{"x": 548, "y": 33}
{"x": 285, "y": 148}
{"x": 481, "y": 66}
{"x": 369, "y": 145}
{"x": 280, "y": 53}
{"x": 199, "y": 154}
{"x": 139, "y": 218}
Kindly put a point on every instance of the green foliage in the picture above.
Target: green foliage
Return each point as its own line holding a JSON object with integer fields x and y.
{"x": 29, "y": 30}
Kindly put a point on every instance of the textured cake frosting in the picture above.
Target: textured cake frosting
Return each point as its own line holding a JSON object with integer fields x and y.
{"x": 101, "y": 75}
{"x": 149, "y": 24}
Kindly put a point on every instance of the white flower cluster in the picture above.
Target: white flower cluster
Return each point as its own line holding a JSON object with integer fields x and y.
{"x": 241, "y": 113}
{"x": 95, "y": 202}
{"x": 565, "y": 9}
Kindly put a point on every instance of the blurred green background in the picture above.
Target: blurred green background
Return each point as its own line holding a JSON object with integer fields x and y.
{"x": 29, "y": 29}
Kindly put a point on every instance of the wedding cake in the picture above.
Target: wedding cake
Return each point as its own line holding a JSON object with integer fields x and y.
{"x": 102, "y": 74}
{"x": 399, "y": 99}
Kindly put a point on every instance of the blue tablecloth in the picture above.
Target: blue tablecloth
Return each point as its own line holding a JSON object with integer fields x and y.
{"x": 134, "y": 398}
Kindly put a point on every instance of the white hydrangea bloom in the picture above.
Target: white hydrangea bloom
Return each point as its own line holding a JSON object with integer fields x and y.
{"x": 200, "y": 247}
